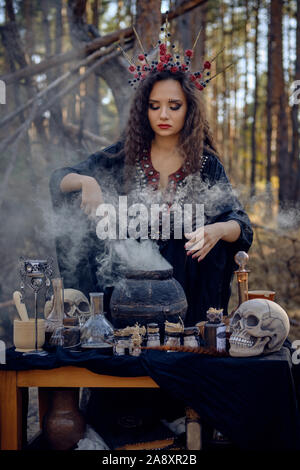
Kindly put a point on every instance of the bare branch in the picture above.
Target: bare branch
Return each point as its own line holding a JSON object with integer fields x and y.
{"x": 103, "y": 41}
{"x": 55, "y": 83}
{"x": 75, "y": 131}
{"x": 40, "y": 108}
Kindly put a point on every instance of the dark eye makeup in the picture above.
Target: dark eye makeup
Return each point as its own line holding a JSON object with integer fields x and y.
{"x": 174, "y": 107}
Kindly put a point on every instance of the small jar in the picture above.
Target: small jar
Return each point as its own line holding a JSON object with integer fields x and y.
{"x": 153, "y": 336}
{"x": 121, "y": 343}
{"x": 134, "y": 348}
{"x": 190, "y": 337}
{"x": 172, "y": 338}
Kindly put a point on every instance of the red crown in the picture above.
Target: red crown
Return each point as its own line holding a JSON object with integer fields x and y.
{"x": 170, "y": 61}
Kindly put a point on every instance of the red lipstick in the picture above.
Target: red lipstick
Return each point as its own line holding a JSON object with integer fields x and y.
{"x": 164, "y": 126}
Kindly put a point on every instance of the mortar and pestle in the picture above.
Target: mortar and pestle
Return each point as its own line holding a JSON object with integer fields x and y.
{"x": 24, "y": 329}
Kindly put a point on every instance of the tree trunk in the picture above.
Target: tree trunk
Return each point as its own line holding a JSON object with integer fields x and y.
{"x": 12, "y": 43}
{"x": 253, "y": 130}
{"x": 224, "y": 93}
{"x": 284, "y": 166}
{"x": 92, "y": 95}
{"x": 245, "y": 125}
{"x": 148, "y": 23}
{"x": 270, "y": 104}
{"x": 295, "y": 119}
{"x": 184, "y": 29}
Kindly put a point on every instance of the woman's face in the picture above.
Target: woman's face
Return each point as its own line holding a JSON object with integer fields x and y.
{"x": 167, "y": 108}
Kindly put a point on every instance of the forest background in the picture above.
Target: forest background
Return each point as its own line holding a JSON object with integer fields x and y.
{"x": 64, "y": 95}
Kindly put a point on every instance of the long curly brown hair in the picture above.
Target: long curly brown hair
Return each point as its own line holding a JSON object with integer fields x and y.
{"x": 195, "y": 136}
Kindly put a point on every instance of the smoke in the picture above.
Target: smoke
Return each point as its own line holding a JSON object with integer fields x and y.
{"x": 76, "y": 235}
{"x": 289, "y": 218}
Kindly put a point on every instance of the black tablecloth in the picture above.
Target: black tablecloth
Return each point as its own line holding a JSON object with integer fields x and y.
{"x": 253, "y": 401}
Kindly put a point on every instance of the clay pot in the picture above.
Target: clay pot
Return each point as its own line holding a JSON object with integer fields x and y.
{"x": 64, "y": 424}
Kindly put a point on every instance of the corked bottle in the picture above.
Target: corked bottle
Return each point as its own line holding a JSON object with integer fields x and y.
{"x": 215, "y": 330}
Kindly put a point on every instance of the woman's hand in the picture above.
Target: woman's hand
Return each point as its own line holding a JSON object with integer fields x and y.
{"x": 202, "y": 240}
{"x": 91, "y": 196}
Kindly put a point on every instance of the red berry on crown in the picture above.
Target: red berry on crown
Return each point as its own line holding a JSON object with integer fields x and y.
{"x": 189, "y": 53}
{"x": 163, "y": 49}
{"x": 199, "y": 86}
{"x": 164, "y": 59}
{"x": 170, "y": 62}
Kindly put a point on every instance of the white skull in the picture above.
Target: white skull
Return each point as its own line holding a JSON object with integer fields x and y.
{"x": 75, "y": 304}
{"x": 258, "y": 326}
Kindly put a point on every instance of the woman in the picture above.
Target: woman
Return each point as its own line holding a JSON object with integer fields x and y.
{"x": 167, "y": 153}
{"x": 167, "y": 147}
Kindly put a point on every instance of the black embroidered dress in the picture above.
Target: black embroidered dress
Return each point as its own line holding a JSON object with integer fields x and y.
{"x": 207, "y": 283}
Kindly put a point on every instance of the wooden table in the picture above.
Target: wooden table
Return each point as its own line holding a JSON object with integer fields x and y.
{"x": 14, "y": 394}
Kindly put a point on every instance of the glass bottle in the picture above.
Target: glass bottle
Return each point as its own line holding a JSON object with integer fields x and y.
{"x": 97, "y": 332}
{"x": 54, "y": 320}
{"x": 215, "y": 330}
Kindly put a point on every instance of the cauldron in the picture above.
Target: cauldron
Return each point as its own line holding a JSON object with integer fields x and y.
{"x": 147, "y": 297}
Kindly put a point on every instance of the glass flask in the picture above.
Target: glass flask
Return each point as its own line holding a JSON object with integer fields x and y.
{"x": 97, "y": 332}
{"x": 54, "y": 320}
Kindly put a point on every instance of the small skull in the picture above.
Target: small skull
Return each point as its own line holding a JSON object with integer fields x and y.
{"x": 259, "y": 326}
{"x": 75, "y": 304}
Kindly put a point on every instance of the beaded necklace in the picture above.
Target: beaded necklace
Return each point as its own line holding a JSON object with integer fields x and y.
{"x": 176, "y": 190}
